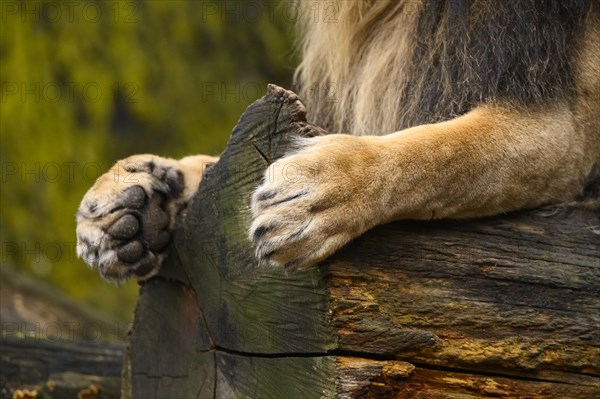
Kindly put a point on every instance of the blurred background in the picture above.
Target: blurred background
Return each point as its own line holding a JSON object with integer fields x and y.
{"x": 85, "y": 83}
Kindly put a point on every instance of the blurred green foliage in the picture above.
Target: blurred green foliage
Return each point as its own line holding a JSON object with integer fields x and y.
{"x": 85, "y": 83}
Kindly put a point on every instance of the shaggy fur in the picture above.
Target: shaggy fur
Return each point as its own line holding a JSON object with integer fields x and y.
{"x": 389, "y": 65}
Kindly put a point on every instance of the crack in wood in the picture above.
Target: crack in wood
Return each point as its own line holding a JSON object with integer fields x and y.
{"x": 262, "y": 155}
{"x": 384, "y": 358}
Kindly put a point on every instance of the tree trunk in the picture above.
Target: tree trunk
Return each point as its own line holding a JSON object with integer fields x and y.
{"x": 498, "y": 307}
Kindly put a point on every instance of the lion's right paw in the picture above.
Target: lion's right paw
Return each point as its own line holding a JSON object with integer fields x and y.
{"x": 125, "y": 220}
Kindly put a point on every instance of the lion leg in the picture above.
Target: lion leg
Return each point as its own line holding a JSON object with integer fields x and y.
{"x": 489, "y": 161}
{"x": 125, "y": 220}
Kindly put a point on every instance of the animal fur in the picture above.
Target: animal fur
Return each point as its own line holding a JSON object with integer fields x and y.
{"x": 388, "y": 65}
{"x": 450, "y": 109}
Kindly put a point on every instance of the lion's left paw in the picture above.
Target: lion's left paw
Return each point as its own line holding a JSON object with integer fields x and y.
{"x": 313, "y": 202}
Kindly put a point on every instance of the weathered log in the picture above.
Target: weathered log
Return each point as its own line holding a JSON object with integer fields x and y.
{"x": 30, "y": 308}
{"x": 500, "y": 307}
{"x": 60, "y": 370}
{"x": 53, "y": 346}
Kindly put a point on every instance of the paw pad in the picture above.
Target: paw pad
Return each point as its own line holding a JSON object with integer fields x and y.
{"x": 124, "y": 228}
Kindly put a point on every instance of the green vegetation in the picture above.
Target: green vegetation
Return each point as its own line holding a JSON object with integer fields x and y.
{"x": 85, "y": 83}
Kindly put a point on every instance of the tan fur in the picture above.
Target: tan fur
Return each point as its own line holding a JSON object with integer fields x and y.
{"x": 497, "y": 157}
{"x": 355, "y": 72}
{"x": 357, "y": 64}
{"x": 106, "y": 203}
{"x": 586, "y": 104}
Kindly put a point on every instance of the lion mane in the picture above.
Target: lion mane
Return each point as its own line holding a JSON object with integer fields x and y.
{"x": 386, "y": 65}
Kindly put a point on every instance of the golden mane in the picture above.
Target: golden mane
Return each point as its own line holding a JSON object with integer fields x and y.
{"x": 385, "y": 65}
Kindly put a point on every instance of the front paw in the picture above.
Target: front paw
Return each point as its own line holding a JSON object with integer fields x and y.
{"x": 314, "y": 201}
{"x": 125, "y": 220}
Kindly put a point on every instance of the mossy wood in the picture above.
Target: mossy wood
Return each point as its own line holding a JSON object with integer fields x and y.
{"x": 499, "y": 307}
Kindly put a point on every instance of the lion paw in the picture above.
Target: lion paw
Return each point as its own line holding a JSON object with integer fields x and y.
{"x": 312, "y": 202}
{"x": 125, "y": 220}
